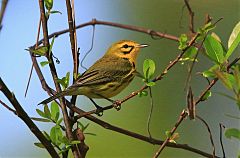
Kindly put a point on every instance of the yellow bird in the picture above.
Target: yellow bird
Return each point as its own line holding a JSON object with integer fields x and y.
{"x": 108, "y": 76}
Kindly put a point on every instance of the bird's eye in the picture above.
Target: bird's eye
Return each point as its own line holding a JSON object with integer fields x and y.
{"x": 125, "y": 46}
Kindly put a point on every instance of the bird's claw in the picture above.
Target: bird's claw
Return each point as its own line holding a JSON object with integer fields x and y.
{"x": 117, "y": 105}
{"x": 99, "y": 111}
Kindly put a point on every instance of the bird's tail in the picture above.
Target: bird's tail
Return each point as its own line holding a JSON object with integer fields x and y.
{"x": 58, "y": 95}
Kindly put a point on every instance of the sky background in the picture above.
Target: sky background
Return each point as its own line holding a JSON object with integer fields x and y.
{"x": 19, "y": 32}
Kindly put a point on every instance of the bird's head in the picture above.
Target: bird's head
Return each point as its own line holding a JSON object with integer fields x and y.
{"x": 125, "y": 49}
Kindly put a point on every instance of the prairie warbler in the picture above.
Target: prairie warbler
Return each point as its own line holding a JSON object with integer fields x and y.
{"x": 108, "y": 76}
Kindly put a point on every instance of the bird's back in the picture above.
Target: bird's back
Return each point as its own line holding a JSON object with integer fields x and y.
{"x": 106, "y": 78}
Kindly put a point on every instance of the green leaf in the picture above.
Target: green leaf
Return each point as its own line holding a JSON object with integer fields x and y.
{"x": 148, "y": 69}
{"x": 214, "y": 35}
{"x": 150, "y": 84}
{"x": 39, "y": 51}
{"x": 48, "y": 4}
{"x": 67, "y": 79}
{"x": 41, "y": 113}
{"x": 40, "y": 145}
{"x": 40, "y": 119}
{"x": 47, "y": 112}
{"x": 232, "y": 132}
{"x": 234, "y": 40}
{"x": 205, "y": 29}
{"x": 92, "y": 134}
{"x": 54, "y": 111}
{"x": 55, "y": 134}
{"x": 234, "y": 34}
{"x": 168, "y": 134}
{"x": 206, "y": 96}
{"x": 214, "y": 50}
{"x": 85, "y": 127}
{"x": 82, "y": 127}
{"x": 46, "y": 135}
{"x": 51, "y": 45}
{"x": 64, "y": 140}
{"x": 183, "y": 41}
{"x": 55, "y": 12}
{"x": 142, "y": 93}
{"x": 211, "y": 71}
{"x": 233, "y": 46}
{"x": 59, "y": 121}
{"x": 236, "y": 74}
{"x": 75, "y": 142}
{"x": 225, "y": 78}
{"x": 64, "y": 81}
{"x": 208, "y": 27}
{"x": 43, "y": 63}
{"x": 189, "y": 54}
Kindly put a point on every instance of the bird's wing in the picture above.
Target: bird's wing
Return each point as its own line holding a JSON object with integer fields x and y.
{"x": 110, "y": 70}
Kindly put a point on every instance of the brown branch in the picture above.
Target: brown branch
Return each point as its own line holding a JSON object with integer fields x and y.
{"x": 24, "y": 116}
{"x": 72, "y": 33}
{"x": 191, "y": 16}
{"x": 36, "y": 46}
{"x": 8, "y": 107}
{"x": 55, "y": 77}
{"x": 159, "y": 77}
{"x": 196, "y": 102}
{"x": 118, "y": 25}
{"x": 73, "y": 41}
{"x": 210, "y": 134}
{"x": 221, "y": 126}
{"x": 112, "y": 127}
{"x": 2, "y": 11}
{"x": 182, "y": 116}
{"x": 135, "y": 135}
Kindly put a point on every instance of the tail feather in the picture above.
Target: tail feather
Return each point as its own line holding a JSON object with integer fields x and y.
{"x": 58, "y": 95}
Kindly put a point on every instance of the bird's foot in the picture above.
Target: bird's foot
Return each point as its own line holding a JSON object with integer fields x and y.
{"x": 99, "y": 111}
{"x": 117, "y": 104}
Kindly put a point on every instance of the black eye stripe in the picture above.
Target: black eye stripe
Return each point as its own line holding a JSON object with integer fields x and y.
{"x": 127, "y": 52}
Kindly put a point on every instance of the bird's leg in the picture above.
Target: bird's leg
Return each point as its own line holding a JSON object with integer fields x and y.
{"x": 116, "y": 103}
{"x": 99, "y": 110}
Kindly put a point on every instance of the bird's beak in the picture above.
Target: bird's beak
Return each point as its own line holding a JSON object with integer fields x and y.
{"x": 142, "y": 45}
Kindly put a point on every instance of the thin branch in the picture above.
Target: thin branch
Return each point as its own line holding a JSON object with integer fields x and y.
{"x": 72, "y": 36}
{"x": 159, "y": 77}
{"x": 135, "y": 135}
{"x": 221, "y": 126}
{"x": 210, "y": 134}
{"x": 190, "y": 104}
{"x": 91, "y": 47}
{"x": 36, "y": 45}
{"x": 2, "y": 11}
{"x": 112, "y": 127}
{"x": 73, "y": 41}
{"x": 55, "y": 76}
{"x": 196, "y": 102}
{"x": 193, "y": 63}
{"x": 118, "y": 25}
{"x": 191, "y": 16}
{"x": 150, "y": 112}
{"x": 8, "y": 107}
{"x": 24, "y": 116}
{"x": 181, "y": 118}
